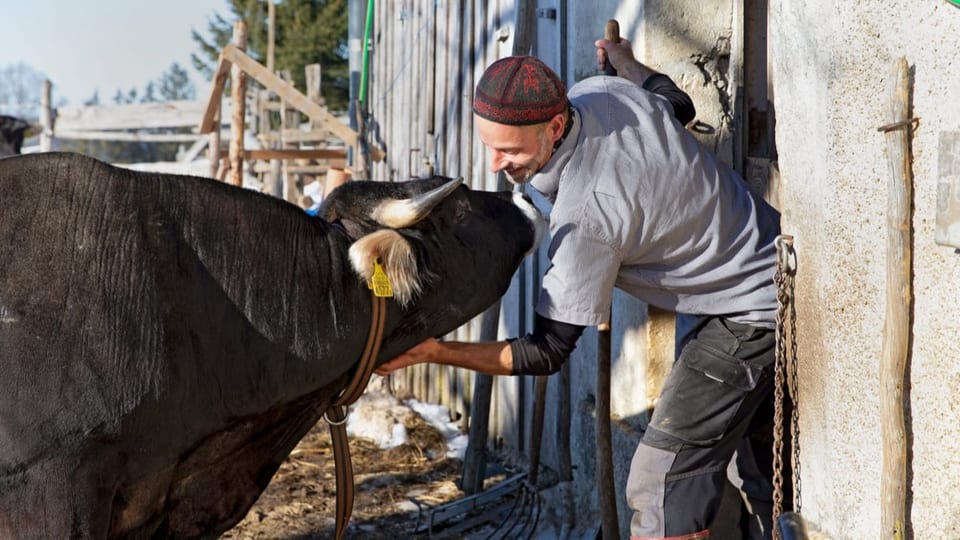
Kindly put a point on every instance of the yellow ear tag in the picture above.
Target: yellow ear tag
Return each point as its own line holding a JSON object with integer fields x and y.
{"x": 379, "y": 282}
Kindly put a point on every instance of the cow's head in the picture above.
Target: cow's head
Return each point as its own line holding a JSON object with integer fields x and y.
{"x": 439, "y": 242}
{"x": 12, "y": 132}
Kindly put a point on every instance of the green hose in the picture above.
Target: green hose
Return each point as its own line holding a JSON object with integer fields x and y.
{"x": 366, "y": 53}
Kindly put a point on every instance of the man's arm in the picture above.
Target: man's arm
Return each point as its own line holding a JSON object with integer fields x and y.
{"x": 620, "y": 56}
{"x": 540, "y": 352}
{"x": 492, "y": 358}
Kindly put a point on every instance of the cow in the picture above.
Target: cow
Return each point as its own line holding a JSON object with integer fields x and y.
{"x": 166, "y": 340}
{"x": 12, "y": 131}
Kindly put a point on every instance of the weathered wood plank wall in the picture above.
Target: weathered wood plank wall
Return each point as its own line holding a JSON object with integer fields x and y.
{"x": 426, "y": 56}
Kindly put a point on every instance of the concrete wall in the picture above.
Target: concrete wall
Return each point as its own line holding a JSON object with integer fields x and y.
{"x": 831, "y": 64}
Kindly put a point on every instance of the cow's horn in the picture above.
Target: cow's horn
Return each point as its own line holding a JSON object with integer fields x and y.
{"x": 405, "y": 212}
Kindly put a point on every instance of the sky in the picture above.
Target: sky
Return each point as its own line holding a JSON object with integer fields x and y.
{"x": 105, "y": 45}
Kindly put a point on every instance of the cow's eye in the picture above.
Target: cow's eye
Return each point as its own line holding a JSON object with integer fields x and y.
{"x": 462, "y": 209}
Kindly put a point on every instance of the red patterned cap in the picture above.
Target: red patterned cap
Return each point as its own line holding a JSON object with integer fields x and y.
{"x": 519, "y": 91}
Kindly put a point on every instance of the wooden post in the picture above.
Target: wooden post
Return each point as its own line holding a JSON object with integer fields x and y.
{"x": 896, "y": 331}
{"x": 238, "y": 92}
{"x": 609, "y": 522}
{"x": 312, "y": 74}
{"x": 536, "y": 428}
{"x": 213, "y": 146}
{"x": 273, "y": 186}
{"x": 475, "y": 456}
{"x": 335, "y": 177}
{"x": 288, "y": 120}
{"x": 46, "y": 118}
{"x": 271, "y": 33}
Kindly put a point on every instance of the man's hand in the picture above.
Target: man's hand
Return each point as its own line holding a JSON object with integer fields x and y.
{"x": 417, "y": 355}
{"x": 620, "y": 56}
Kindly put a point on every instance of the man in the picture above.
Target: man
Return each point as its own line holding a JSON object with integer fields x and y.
{"x": 640, "y": 205}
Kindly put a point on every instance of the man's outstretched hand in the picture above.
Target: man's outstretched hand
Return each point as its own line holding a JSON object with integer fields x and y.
{"x": 417, "y": 355}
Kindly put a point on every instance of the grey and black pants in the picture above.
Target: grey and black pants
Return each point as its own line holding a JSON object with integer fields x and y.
{"x": 706, "y": 415}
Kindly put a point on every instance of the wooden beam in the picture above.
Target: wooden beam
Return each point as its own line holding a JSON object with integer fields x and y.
{"x": 210, "y": 114}
{"x": 294, "y": 153}
{"x": 294, "y": 135}
{"x": 129, "y": 136}
{"x": 291, "y": 95}
{"x": 157, "y": 114}
{"x": 260, "y": 167}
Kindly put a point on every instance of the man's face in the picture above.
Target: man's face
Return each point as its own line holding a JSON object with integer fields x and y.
{"x": 518, "y": 151}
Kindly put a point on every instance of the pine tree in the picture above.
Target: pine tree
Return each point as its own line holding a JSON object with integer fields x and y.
{"x": 307, "y": 32}
{"x": 175, "y": 85}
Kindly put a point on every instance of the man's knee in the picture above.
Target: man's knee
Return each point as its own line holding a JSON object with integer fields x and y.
{"x": 673, "y": 489}
{"x": 645, "y": 490}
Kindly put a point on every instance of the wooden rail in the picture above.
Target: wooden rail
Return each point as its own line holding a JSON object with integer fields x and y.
{"x": 232, "y": 55}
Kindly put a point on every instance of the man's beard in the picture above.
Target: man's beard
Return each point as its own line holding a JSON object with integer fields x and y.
{"x": 524, "y": 173}
{"x": 519, "y": 180}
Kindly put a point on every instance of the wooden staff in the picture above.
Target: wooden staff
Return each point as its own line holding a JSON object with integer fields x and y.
{"x": 609, "y": 523}
{"x": 896, "y": 329}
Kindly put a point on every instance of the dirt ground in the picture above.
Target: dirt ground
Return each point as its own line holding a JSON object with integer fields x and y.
{"x": 300, "y": 501}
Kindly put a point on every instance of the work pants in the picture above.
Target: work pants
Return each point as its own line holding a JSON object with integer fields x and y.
{"x": 704, "y": 418}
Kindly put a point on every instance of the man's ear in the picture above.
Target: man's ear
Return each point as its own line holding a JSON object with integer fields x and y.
{"x": 397, "y": 258}
{"x": 556, "y": 125}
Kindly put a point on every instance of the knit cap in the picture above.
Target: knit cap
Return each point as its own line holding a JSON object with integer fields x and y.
{"x": 519, "y": 91}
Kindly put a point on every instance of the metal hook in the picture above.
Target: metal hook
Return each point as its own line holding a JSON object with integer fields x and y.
{"x": 787, "y": 257}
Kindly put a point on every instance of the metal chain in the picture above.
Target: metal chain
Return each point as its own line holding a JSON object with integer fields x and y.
{"x": 795, "y": 384}
{"x": 786, "y": 324}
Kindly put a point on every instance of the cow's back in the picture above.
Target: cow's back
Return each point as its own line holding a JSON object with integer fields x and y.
{"x": 106, "y": 274}
{"x": 74, "y": 281}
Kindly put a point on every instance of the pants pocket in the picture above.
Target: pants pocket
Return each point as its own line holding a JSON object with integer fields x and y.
{"x": 703, "y": 393}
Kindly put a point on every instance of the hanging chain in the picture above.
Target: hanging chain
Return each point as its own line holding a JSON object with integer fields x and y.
{"x": 784, "y": 367}
{"x": 795, "y": 385}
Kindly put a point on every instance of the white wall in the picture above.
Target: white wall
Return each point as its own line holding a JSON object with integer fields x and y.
{"x": 831, "y": 65}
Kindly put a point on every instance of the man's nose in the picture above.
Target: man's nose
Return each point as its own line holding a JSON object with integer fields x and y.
{"x": 497, "y": 161}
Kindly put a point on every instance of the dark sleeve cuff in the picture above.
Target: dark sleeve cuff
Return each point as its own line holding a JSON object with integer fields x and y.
{"x": 544, "y": 351}
{"x": 683, "y": 109}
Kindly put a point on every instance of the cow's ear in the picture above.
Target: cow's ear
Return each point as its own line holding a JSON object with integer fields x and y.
{"x": 397, "y": 258}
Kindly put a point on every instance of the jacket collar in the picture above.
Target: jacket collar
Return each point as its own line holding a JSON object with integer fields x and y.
{"x": 547, "y": 179}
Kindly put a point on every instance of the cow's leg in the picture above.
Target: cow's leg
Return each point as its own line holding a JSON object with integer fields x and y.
{"x": 59, "y": 497}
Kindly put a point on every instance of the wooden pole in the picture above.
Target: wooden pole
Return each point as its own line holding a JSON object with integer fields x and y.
{"x": 896, "y": 331}
{"x": 609, "y": 523}
{"x": 606, "y": 487}
{"x": 336, "y": 177}
{"x": 475, "y": 456}
{"x": 213, "y": 146}
{"x": 271, "y": 33}
{"x": 46, "y": 118}
{"x": 536, "y": 428}
{"x": 238, "y": 92}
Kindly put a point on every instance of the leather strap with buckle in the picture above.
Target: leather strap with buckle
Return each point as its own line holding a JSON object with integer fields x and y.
{"x": 336, "y": 415}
